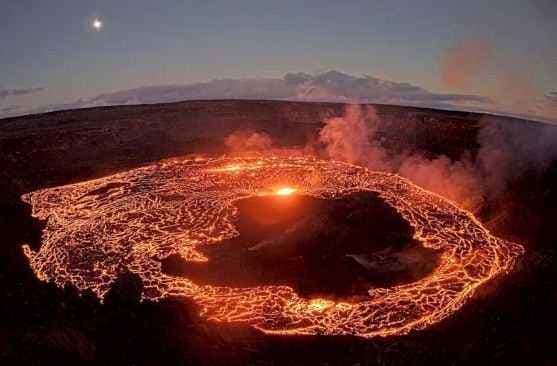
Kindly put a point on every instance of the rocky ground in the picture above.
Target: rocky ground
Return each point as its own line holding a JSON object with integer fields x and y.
{"x": 510, "y": 321}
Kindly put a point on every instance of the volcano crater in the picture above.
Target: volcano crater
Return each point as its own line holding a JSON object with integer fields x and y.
{"x": 334, "y": 248}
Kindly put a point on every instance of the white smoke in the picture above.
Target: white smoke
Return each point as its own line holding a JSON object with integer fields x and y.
{"x": 243, "y": 141}
{"x": 351, "y": 138}
{"x": 505, "y": 152}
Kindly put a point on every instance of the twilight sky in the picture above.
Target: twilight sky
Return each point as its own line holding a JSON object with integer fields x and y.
{"x": 496, "y": 55}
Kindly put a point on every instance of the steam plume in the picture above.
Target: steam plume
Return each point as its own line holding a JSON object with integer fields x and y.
{"x": 351, "y": 138}
{"x": 241, "y": 141}
{"x": 505, "y": 152}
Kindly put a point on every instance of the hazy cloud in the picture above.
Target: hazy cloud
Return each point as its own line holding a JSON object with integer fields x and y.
{"x": 481, "y": 67}
{"x": 10, "y": 109}
{"x": 332, "y": 86}
{"x": 462, "y": 63}
{"x": 5, "y": 93}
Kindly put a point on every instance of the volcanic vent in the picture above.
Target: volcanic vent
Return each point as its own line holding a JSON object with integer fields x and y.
{"x": 166, "y": 222}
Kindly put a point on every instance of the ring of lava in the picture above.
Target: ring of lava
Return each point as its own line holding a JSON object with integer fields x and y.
{"x": 133, "y": 220}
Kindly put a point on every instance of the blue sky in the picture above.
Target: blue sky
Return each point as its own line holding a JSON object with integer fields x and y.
{"x": 50, "y": 44}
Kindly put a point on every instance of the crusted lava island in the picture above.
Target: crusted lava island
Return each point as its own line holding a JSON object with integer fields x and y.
{"x": 332, "y": 248}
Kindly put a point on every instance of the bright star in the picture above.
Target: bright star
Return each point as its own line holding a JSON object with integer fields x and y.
{"x": 97, "y": 24}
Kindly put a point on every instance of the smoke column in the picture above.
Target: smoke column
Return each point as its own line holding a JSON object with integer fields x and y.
{"x": 505, "y": 152}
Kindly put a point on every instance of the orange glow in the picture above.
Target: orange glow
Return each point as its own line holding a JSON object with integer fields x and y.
{"x": 237, "y": 167}
{"x": 320, "y": 304}
{"x": 285, "y": 191}
{"x": 136, "y": 218}
{"x": 229, "y": 168}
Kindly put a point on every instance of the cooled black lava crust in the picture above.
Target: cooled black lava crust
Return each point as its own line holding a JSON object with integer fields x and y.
{"x": 333, "y": 248}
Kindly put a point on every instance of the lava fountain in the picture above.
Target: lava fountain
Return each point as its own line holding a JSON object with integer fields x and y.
{"x": 135, "y": 219}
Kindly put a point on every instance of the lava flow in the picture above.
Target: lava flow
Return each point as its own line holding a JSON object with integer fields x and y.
{"x": 135, "y": 219}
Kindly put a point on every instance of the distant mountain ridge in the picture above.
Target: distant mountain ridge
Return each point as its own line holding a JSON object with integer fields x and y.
{"x": 330, "y": 86}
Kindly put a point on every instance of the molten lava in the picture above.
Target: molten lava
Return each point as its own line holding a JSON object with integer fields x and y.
{"x": 133, "y": 220}
{"x": 285, "y": 191}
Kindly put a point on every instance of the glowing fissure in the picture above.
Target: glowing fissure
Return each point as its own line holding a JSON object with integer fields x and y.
{"x": 132, "y": 220}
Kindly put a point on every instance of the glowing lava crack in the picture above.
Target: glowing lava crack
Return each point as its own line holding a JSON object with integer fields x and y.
{"x": 132, "y": 220}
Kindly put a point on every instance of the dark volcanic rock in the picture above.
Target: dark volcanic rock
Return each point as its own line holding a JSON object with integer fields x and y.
{"x": 333, "y": 248}
{"x": 126, "y": 290}
{"x": 67, "y": 343}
